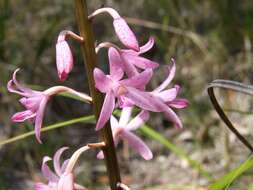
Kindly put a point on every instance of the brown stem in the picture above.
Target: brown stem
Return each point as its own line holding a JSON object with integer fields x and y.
{"x": 89, "y": 55}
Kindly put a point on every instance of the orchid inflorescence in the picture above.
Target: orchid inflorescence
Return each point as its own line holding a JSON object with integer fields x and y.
{"x": 124, "y": 88}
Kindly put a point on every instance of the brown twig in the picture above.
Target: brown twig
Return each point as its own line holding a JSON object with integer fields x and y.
{"x": 89, "y": 55}
{"x": 232, "y": 85}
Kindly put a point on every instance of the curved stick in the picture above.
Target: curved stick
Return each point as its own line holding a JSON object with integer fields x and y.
{"x": 231, "y": 85}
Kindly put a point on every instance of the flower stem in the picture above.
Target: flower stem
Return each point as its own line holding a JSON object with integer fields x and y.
{"x": 89, "y": 55}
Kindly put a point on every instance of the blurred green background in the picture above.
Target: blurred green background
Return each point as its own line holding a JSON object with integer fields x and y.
{"x": 209, "y": 39}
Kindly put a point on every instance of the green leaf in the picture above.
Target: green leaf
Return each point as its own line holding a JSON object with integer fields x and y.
{"x": 227, "y": 179}
{"x": 149, "y": 132}
{"x": 86, "y": 119}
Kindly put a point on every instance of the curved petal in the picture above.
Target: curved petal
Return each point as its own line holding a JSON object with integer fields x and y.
{"x": 106, "y": 111}
{"x": 66, "y": 182}
{"x": 46, "y": 171}
{"x": 64, "y": 60}
{"x": 125, "y": 116}
{"x": 138, "y": 121}
{"x": 56, "y": 159}
{"x": 125, "y": 34}
{"x": 146, "y": 47}
{"x": 73, "y": 159}
{"x": 22, "y": 116}
{"x": 171, "y": 115}
{"x": 102, "y": 82}
{"x": 140, "y": 80}
{"x": 137, "y": 144}
{"x": 171, "y": 74}
{"x": 20, "y": 89}
{"x": 179, "y": 103}
{"x": 168, "y": 95}
{"x": 139, "y": 62}
{"x": 115, "y": 61}
{"x": 39, "y": 118}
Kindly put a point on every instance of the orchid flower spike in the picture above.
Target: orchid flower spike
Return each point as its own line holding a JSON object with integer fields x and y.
{"x": 123, "y": 128}
{"x": 35, "y": 101}
{"x": 124, "y": 33}
{"x": 64, "y": 57}
{"x": 130, "y": 60}
{"x": 63, "y": 178}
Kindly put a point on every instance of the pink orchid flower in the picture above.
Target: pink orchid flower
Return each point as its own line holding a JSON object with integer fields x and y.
{"x": 124, "y": 33}
{"x": 112, "y": 85}
{"x": 159, "y": 100}
{"x": 123, "y": 128}
{"x": 35, "y": 102}
{"x": 63, "y": 178}
{"x": 64, "y": 57}
{"x": 131, "y": 61}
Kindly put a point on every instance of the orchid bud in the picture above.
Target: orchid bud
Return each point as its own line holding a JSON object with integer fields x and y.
{"x": 64, "y": 60}
{"x": 123, "y": 31}
{"x": 64, "y": 57}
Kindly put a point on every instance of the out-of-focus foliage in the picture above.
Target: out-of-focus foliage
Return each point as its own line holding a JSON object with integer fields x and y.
{"x": 209, "y": 39}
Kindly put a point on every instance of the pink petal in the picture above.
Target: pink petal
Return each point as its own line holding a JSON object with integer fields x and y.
{"x": 179, "y": 103}
{"x": 56, "y": 159}
{"x": 106, "y": 111}
{"x": 22, "y": 116}
{"x": 142, "y": 99}
{"x": 124, "y": 102}
{"x": 114, "y": 122}
{"x": 64, "y": 59}
{"x": 147, "y": 101}
{"x": 46, "y": 171}
{"x": 125, "y": 34}
{"x": 39, "y": 118}
{"x": 168, "y": 95}
{"x": 115, "y": 62}
{"x": 138, "y": 121}
{"x": 172, "y": 71}
{"x": 66, "y": 182}
{"x": 100, "y": 155}
{"x": 41, "y": 186}
{"x": 138, "y": 61}
{"x": 140, "y": 80}
{"x": 102, "y": 82}
{"x": 129, "y": 68}
{"x": 171, "y": 115}
{"x": 146, "y": 47}
{"x": 31, "y": 103}
{"x": 137, "y": 144}
{"x": 125, "y": 116}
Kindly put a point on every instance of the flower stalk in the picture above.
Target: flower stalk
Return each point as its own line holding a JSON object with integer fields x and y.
{"x": 89, "y": 55}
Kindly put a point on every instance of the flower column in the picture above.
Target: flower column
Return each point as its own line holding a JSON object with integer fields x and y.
{"x": 88, "y": 51}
